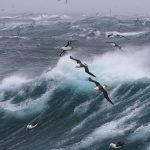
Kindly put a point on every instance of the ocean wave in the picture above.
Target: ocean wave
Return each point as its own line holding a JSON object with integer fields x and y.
{"x": 45, "y": 17}
{"x": 16, "y": 99}
{"x": 14, "y": 37}
{"x": 71, "y": 114}
{"x": 138, "y": 33}
{"x": 10, "y": 26}
{"x": 125, "y": 67}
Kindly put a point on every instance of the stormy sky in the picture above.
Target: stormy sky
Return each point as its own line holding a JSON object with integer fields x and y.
{"x": 119, "y": 7}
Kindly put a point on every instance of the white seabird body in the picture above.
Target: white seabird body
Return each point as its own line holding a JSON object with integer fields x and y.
{"x": 96, "y": 88}
{"x": 30, "y": 126}
{"x": 114, "y": 146}
{"x": 66, "y": 48}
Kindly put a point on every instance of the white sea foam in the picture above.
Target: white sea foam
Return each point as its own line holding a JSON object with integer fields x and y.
{"x": 28, "y": 106}
{"x": 126, "y": 33}
{"x": 111, "y": 66}
{"x": 12, "y": 82}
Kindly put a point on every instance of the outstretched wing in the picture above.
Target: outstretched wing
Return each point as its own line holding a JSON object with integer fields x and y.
{"x": 78, "y": 61}
{"x": 87, "y": 71}
{"x": 109, "y": 35}
{"x": 125, "y": 37}
{"x": 111, "y": 42}
{"x": 96, "y": 83}
{"x": 106, "y": 95}
{"x": 115, "y": 43}
{"x": 67, "y": 44}
{"x": 62, "y": 53}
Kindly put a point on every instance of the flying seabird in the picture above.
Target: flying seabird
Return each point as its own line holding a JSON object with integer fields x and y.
{"x": 102, "y": 89}
{"x": 32, "y": 125}
{"x": 138, "y": 21}
{"x": 119, "y": 144}
{"x": 85, "y": 66}
{"x": 110, "y": 35}
{"x": 115, "y": 44}
{"x": 116, "y": 36}
{"x": 120, "y": 36}
{"x": 67, "y": 47}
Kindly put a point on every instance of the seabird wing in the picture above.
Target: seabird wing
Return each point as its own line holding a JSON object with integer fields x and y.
{"x": 106, "y": 95}
{"x": 112, "y": 43}
{"x": 125, "y": 37}
{"x": 67, "y": 44}
{"x": 115, "y": 43}
{"x": 78, "y": 61}
{"x": 109, "y": 35}
{"x": 119, "y": 47}
{"x": 96, "y": 83}
{"x": 62, "y": 53}
{"x": 87, "y": 71}
{"x": 109, "y": 42}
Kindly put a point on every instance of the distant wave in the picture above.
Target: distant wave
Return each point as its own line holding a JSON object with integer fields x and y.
{"x": 127, "y": 33}
{"x": 10, "y": 26}
{"x": 45, "y": 17}
{"x": 14, "y": 37}
{"x": 8, "y": 17}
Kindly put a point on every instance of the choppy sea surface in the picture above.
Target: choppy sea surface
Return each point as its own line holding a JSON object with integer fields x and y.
{"x": 37, "y": 84}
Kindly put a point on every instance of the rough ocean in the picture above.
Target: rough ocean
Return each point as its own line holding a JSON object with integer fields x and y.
{"x": 37, "y": 84}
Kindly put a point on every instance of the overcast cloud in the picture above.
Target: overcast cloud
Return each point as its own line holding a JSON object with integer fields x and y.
{"x": 119, "y": 7}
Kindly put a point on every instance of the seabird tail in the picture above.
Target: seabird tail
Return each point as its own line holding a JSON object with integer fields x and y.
{"x": 109, "y": 100}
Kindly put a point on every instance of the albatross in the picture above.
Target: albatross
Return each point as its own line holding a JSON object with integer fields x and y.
{"x": 65, "y": 48}
{"x": 32, "y": 125}
{"x": 101, "y": 88}
{"x": 85, "y": 66}
{"x": 115, "y": 44}
{"x": 117, "y": 36}
{"x": 120, "y": 36}
{"x": 119, "y": 144}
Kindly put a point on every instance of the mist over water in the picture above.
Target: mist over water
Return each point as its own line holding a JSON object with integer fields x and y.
{"x": 37, "y": 84}
{"x": 103, "y": 7}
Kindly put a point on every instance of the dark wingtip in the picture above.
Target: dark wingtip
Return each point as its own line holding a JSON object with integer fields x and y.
{"x": 112, "y": 103}
{"x": 89, "y": 78}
